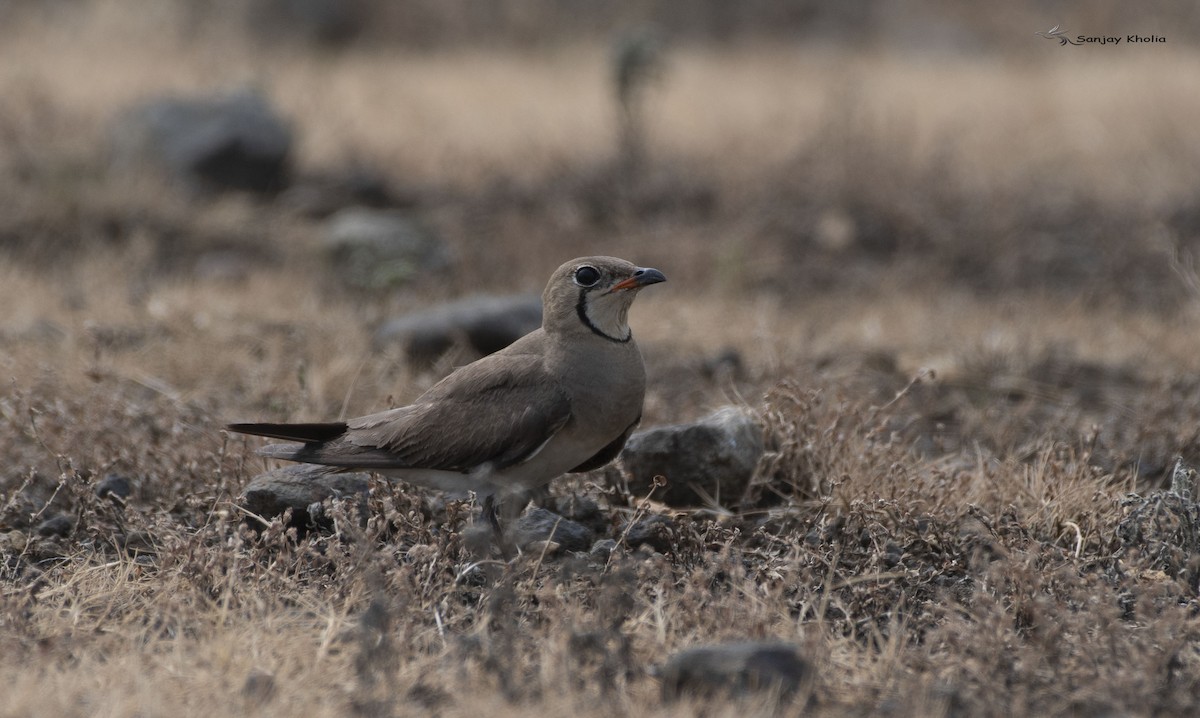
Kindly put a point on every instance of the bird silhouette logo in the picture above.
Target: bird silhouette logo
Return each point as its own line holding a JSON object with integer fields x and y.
{"x": 1057, "y": 33}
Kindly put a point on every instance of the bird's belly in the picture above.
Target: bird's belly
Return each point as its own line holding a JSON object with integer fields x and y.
{"x": 561, "y": 454}
{"x": 452, "y": 481}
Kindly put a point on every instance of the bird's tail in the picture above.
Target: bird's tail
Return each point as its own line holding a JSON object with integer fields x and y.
{"x": 320, "y": 445}
{"x": 315, "y": 433}
{"x": 288, "y": 452}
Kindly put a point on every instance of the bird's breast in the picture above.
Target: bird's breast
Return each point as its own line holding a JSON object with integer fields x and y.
{"x": 606, "y": 387}
{"x": 608, "y": 393}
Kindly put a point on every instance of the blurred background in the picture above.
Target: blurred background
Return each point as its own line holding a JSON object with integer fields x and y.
{"x": 760, "y": 146}
{"x": 899, "y": 176}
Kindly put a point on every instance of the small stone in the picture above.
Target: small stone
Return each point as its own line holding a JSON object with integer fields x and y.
{"x": 717, "y": 455}
{"x": 542, "y": 525}
{"x": 892, "y": 554}
{"x": 378, "y": 248}
{"x": 603, "y": 548}
{"x": 428, "y": 697}
{"x": 654, "y": 531}
{"x": 733, "y": 669}
{"x": 13, "y": 542}
{"x": 57, "y": 525}
{"x": 259, "y": 687}
{"x": 646, "y": 552}
{"x": 137, "y": 543}
{"x": 298, "y": 487}
{"x": 114, "y": 486}
{"x": 580, "y": 508}
{"x": 234, "y": 141}
{"x": 577, "y": 507}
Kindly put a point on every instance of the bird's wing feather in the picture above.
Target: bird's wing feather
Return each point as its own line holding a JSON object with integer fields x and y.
{"x": 330, "y": 455}
{"x": 501, "y": 409}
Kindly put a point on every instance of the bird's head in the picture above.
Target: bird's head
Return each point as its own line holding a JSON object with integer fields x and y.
{"x": 593, "y": 294}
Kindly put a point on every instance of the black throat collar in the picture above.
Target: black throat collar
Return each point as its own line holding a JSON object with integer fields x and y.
{"x": 581, "y": 310}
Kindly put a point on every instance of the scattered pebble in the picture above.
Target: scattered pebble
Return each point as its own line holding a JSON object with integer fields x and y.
{"x": 114, "y": 486}
{"x": 259, "y": 687}
{"x": 381, "y": 248}
{"x": 57, "y": 525}
{"x": 735, "y": 668}
{"x": 13, "y": 542}
{"x": 655, "y": 531}
{"x": 541, "y": 525}
{"x": 233, "y": 141}
{"x": 298, "y": 487}
{"x": 712, "y": 459}
{"x": 602, "y": 548}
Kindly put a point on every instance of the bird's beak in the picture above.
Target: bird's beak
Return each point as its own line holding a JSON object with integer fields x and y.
{"x": 641, "y": 277}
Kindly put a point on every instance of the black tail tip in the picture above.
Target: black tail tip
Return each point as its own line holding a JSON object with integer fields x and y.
{"x": 305, "y": 433}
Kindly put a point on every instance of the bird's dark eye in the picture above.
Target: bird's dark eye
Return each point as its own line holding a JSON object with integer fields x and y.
{"x": 587, "y": 276}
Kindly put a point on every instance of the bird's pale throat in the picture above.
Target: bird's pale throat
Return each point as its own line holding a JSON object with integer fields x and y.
{"x": 605, "y": 316}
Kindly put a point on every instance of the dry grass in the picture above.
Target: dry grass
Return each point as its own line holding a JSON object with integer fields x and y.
{"x": 974, "y": 393}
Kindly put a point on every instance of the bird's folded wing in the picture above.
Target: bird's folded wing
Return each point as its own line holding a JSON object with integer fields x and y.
{"x": 502, "y": 410}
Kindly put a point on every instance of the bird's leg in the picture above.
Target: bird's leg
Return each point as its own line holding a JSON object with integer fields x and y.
{"x": 493, "y": 518}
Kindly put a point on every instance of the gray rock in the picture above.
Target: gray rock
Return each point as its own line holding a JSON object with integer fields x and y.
{"x": 378, "y": 248}
{"x": 12, "y": 542}
{"x": 57, "y": 525}
{"x": 114, "y": 486}
{"x": 655, "y": 531}
{"x": 234, "y": 141}
{"x": 580, "y": 508}
{"x": 259, "y": 687}
{"x": 137, "y": 543}
{"x": 542, "y": 525}
{"x": 733, "y": 669}
{"x": 486, "y": 323}
{"x": 718, "y": 455}
{"x": 297, "y": 487}
{"x": 602, "y": 548}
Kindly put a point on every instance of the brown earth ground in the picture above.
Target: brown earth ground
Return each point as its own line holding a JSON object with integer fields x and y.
{"x": 961, "y": 289}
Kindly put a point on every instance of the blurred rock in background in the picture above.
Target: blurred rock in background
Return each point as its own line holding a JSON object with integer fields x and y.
{"x": 226, "y": 141}
{"x": 377, "y": 249}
